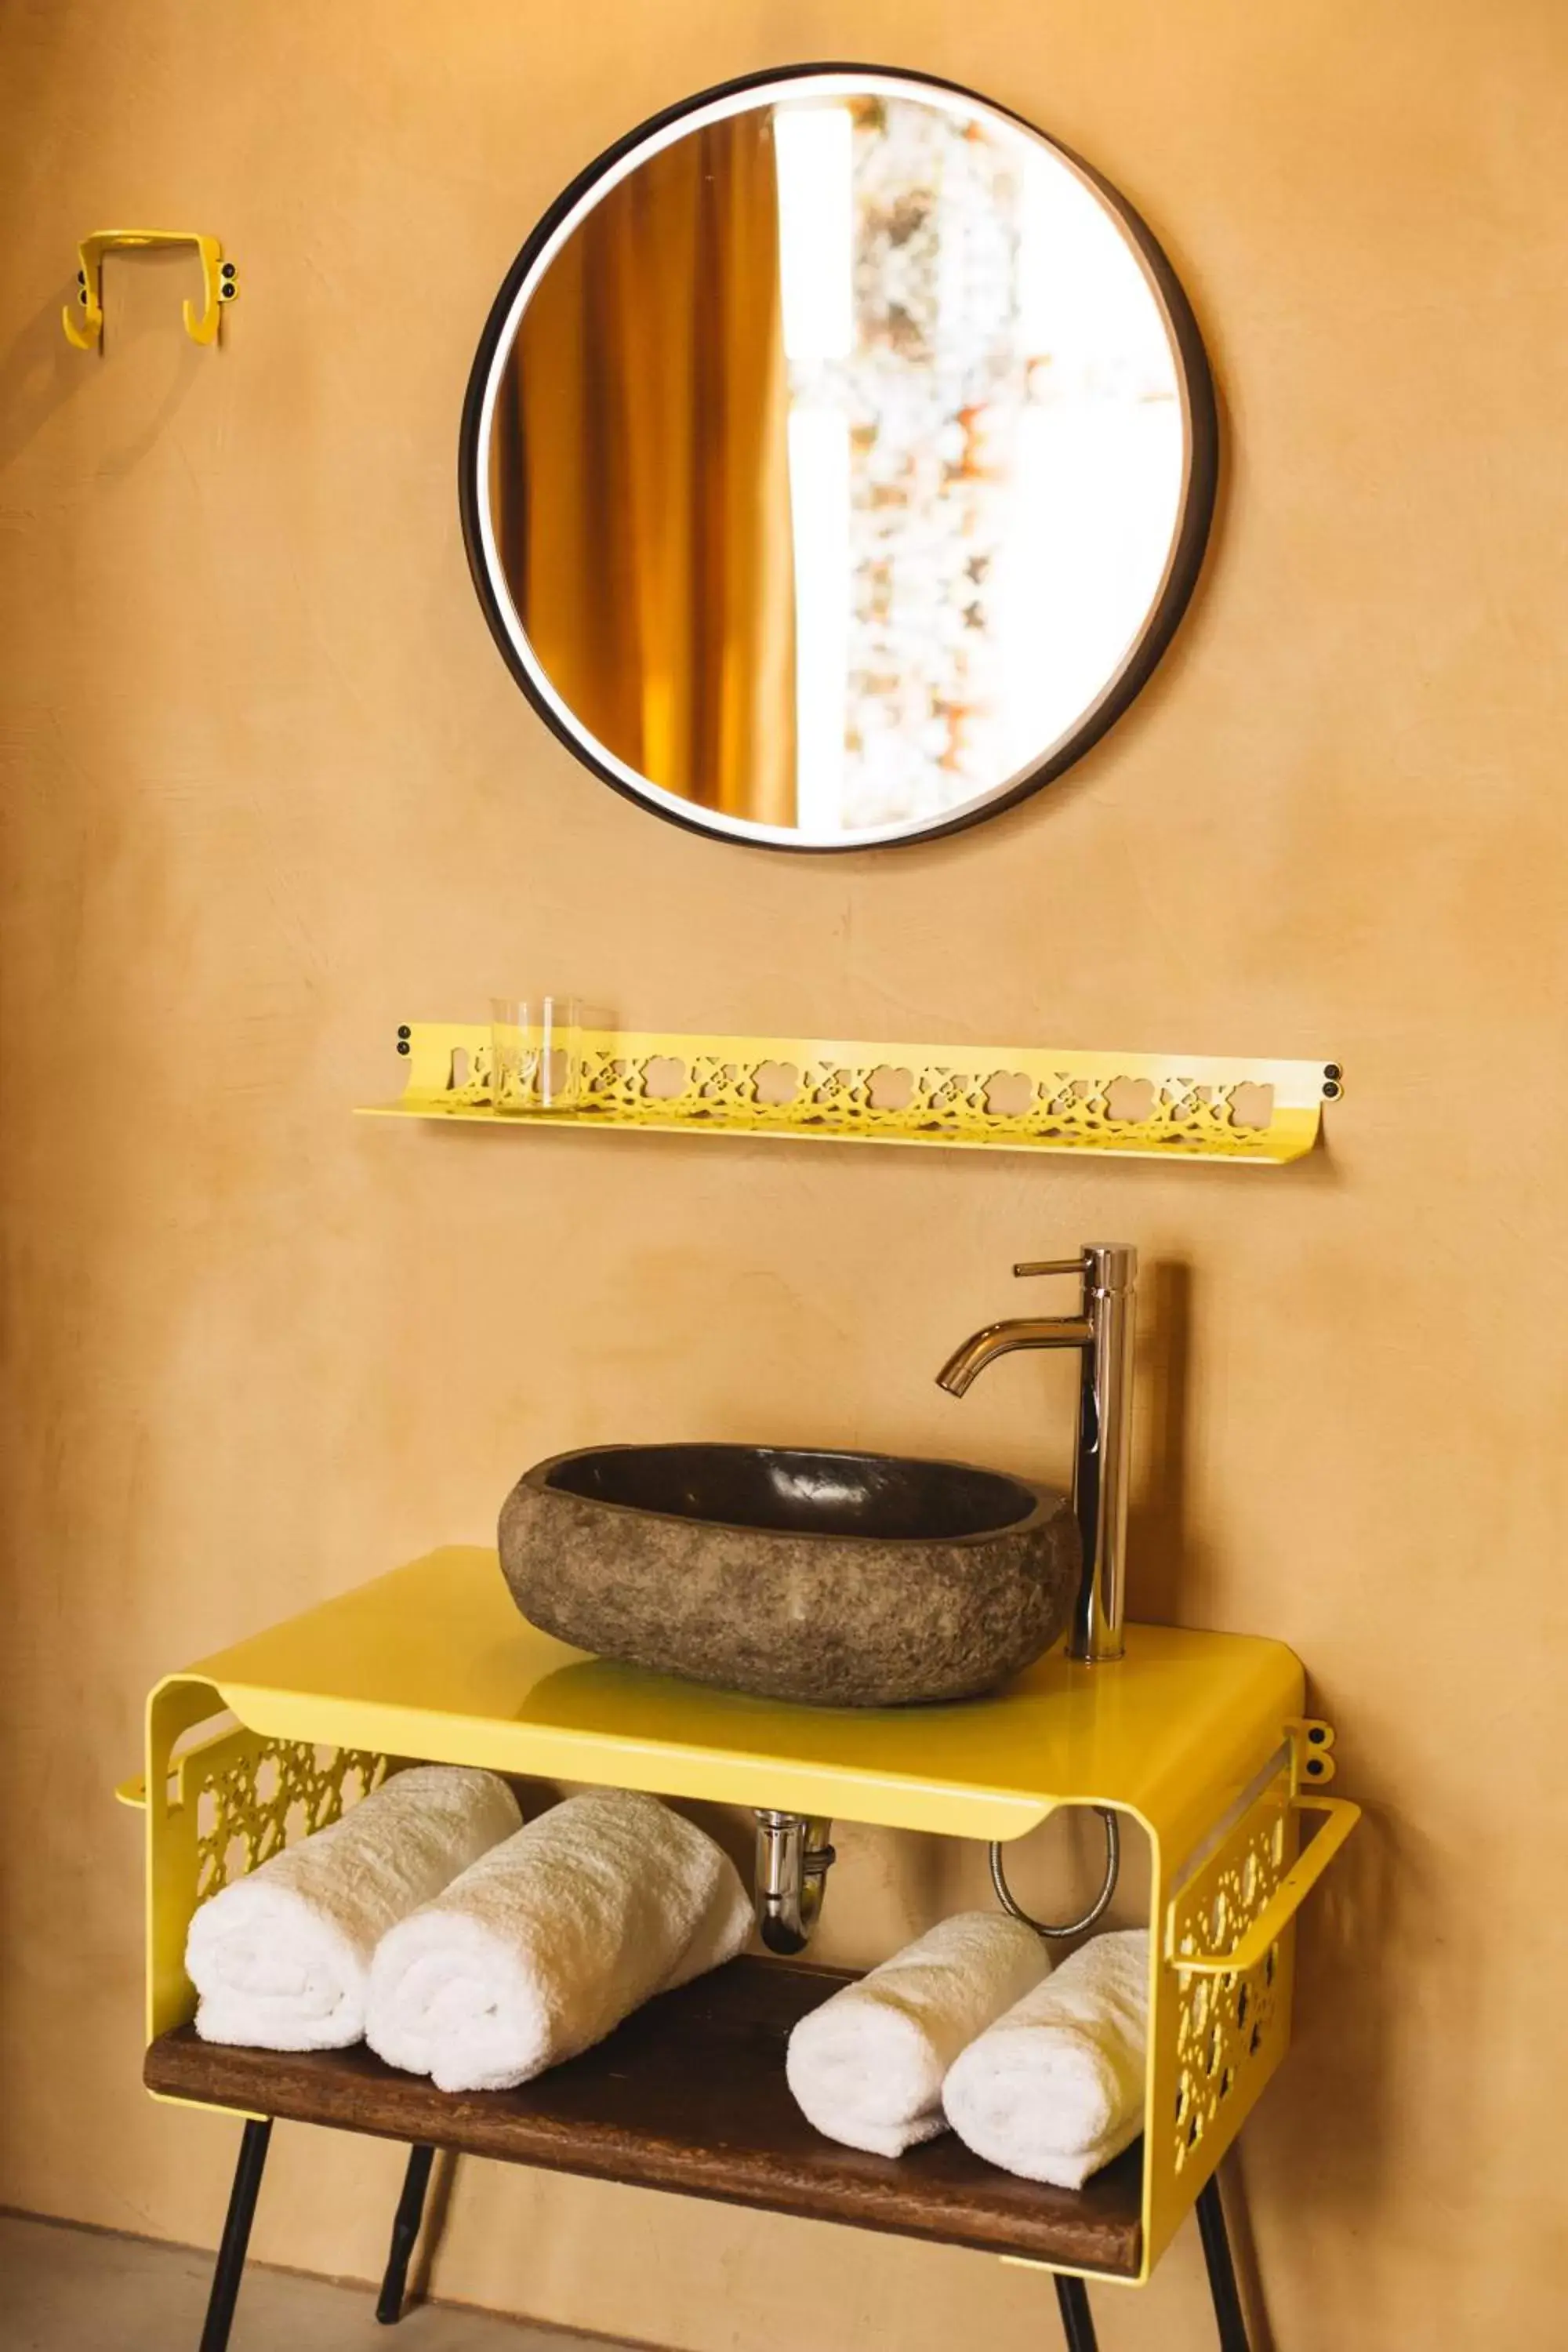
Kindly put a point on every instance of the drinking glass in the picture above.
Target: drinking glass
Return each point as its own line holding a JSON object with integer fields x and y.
{"x": 535, "y": 1058}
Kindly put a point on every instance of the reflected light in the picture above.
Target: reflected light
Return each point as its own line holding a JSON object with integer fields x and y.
{"x": 819, "y": 512}
{"x": 812, "y": 145}
{"x": 817, "y": 240}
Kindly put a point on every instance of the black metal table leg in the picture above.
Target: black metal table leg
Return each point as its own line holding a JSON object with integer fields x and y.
{"x": 230, "y": 2265}
{"x": 1229, "y": 2316}
{"x": 1078, "y": 2326}
{"x": 404, "y": 2235}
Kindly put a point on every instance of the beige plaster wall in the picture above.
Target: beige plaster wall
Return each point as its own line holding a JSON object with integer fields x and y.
{"x": 269, "y": 790}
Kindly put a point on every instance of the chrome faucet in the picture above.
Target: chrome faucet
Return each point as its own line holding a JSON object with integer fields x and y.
{"x": 1102, "y": 1332}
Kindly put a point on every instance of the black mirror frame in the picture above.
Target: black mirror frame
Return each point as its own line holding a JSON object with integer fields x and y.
{"x": 1187, "y": 551}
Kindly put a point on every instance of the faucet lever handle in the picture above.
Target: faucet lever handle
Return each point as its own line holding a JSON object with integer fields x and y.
{"x": 1052, "y": 1266}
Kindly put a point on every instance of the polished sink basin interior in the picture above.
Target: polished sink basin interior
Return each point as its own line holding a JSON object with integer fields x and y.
{"x": 830, "y": 1577}
{"x": 787, "y": 1490}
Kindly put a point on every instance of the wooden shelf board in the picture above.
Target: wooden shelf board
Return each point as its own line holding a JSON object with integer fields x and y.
{"x": 688, "y": 2096}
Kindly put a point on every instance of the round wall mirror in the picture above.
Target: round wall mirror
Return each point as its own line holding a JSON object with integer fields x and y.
{"x": 837, "y": 460}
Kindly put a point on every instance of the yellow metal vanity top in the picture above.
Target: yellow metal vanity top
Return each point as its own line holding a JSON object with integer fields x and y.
{"x": 434, "y": 1660}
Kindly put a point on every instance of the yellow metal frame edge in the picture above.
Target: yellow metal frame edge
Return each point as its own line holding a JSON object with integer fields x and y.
{"x": 170, "y": 1830}
{"x": 1341, "y": 1818}
{"x": 1306, "y": 1753}
{"x": 662, "y": 1768}
{"x": 1299, "y": 1089}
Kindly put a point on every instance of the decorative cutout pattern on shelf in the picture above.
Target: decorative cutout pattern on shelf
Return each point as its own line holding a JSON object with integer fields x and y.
{"x": 1229, "y": 2028}
{"x": 1002, "y": 1097}
{"x": 273, "y": 1793}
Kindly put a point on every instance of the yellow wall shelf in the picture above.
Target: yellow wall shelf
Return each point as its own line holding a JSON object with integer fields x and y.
{"x": 1197, "y": 1737}
{"x": 990, "y": 1097}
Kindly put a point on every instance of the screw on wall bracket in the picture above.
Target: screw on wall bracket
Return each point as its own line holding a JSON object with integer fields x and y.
{"x": 1311, "y": 1765}
{"x": 219, "y": 282}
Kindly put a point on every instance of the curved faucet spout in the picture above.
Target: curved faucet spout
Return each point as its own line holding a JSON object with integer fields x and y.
{"x": 967, "y": 1362}
{"x": 1103, "y": 1332}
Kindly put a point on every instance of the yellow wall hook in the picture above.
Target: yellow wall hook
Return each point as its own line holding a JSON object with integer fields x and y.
{"x": 84, "y": 321}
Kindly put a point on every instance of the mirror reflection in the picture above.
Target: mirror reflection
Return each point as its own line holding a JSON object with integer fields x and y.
{"x": 830, "y": 458}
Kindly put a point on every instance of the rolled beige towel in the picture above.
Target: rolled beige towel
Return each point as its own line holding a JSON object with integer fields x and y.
{"x": 868, "y": 2068}
{"x": 280, "y": 1959}
{"x": 549, "y": 1941}
{"x": 1054, "y": 2088}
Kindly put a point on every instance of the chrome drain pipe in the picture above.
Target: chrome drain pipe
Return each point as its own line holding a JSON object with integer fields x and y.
{"x": 793, "y": 1858}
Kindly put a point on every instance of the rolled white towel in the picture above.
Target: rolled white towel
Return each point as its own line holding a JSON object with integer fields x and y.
{"x": 868, "y": 2068}
{"x": 548, "y": 1942}
{"x": 1054, "y": 2089}
{"x": 281, "y": 1958}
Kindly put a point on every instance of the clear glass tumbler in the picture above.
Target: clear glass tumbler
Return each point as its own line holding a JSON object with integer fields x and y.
{"x": 535, "y": 1056}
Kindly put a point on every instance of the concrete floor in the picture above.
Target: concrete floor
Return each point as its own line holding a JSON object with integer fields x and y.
{"x": 77, "y": 2291}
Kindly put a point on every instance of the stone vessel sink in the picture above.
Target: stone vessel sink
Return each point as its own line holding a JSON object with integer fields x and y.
{"x": 837, "y": 1580}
